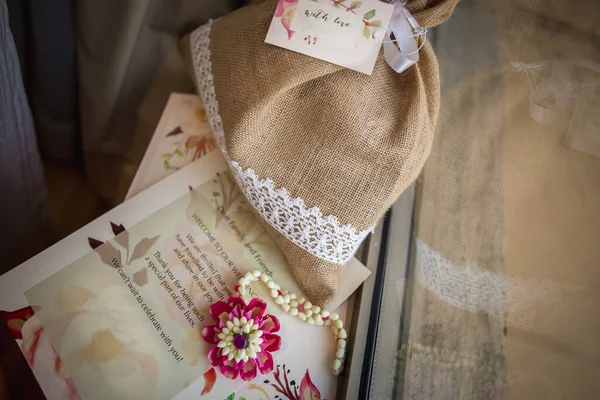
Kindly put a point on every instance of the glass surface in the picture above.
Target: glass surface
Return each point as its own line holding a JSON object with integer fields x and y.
{"x": 490, "y": 287}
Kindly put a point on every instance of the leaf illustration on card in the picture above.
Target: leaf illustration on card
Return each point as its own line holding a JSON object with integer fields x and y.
{"x": 141, "y": 277}
{"x": 94, "y": 243}
{"x": 142, "y": 248}
{"x": 109, "y": 255}
{"x": 210, "y": 377}
{"x": 354, "y": 5}
{"x": 122, "y": 236}
{"x": 376, "y": 24}
{"x": 175, "y": 132}
{"x": 308, "y": 391}
{"x": 366, "y": 32}
{"x": 369, "y": 14}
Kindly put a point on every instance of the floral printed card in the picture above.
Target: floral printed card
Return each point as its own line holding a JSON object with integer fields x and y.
{"x": 124, "y": 318}
{"x": 183, "y": 135}
{"x": 344, "y": 32}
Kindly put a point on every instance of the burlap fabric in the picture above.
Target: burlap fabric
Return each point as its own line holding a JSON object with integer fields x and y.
{"x": 342, "y": 141}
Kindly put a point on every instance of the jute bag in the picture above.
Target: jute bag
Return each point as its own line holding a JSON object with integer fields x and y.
{"x": 320, "y": 151}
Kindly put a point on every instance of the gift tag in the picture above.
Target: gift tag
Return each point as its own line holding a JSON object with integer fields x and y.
{"x": 344, "y": 32}
{"x": 584, "y": 128}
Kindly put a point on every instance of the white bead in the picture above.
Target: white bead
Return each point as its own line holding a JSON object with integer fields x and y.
{"x": 302, "y": 316}
{"x": 310, "y": 320}
{"x": 342, "y": 343}
{"x": 334, "y": 316}
{"x": 241, "y": 353}
{"x": 327, "y": 322}
{"x": 254, "y": 327}
{"x": 293, "y": 311}
{"x": 293, "y": 296}
{"x": 243, "y": 321}
{"x": 246, "y": 329}
{"x": 342, "y": 334}
{"x": 337, "y": 365}
{"x": 301, "y": 300}
{"x": 319, "y": 322}
{"x": 236, "y": 321}
{"x": 316, "y": 309}
{"x": 285, "y": 307}
{"x": 286, "y": 298}
{"x": 324, "y": 313}
{"x": 340, "y": 354}
{"x": 243, "y": 282}
{"x": 265, "y": 278}
{"x": 225, "y": 331}
{"x": 226, "y": 351}
{"x": 274, "y": 293}
{"x": 293, "y": 303}
{"x": 222, "y": 336}
{"x": 308, "y": 313}
{"x": 222, "y": 344}
{"x": 230, "y": 356}
{"x": 256, "y": 274}
{"x": 339, "y": 324}
{"x": 317, "y": 318}
{"x": 308, "y": 305}
{"x": 279, "y": 300}
{"x": 271, "y": 285}
{"x": 334, "y": 329}
{"x": 249, "y": 276}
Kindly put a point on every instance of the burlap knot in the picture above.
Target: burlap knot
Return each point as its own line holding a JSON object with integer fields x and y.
{"x": 332, "y": 138}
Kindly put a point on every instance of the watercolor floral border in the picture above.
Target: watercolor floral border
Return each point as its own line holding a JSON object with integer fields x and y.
{"x": 286, "y": 9}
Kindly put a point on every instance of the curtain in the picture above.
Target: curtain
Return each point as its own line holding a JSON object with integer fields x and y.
{"x": 128, "y": 63}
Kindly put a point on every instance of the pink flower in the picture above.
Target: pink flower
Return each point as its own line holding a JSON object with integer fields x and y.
{"x": 285, "y": 10}
{"x": 283, "y": 5}
{"x": 243, "y": 337}
{"x": 40, "y": 355}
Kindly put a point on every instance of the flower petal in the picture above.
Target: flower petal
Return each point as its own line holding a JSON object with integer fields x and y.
{"x": 209, "y": 334}
{"x": 230, "y": 369}
{"x": 283, "y": 5}
{"x": 256, "y": 308}
{"x": 248, "y": 370}
{"x": 219, "y": 308}
{"x": 269, "y": 324}
{"x": 308, "y": 390}
{"x": 235, "y": 301}
{"x": 271, "y": 342}
{"x": 264, "y": 361}
{"x": 238, "y": 306}
{"x": 215, "y": 357}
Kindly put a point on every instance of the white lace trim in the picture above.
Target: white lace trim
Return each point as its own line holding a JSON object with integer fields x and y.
{"x": 478, "y": 290}
{"x": 323, "y": 236}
